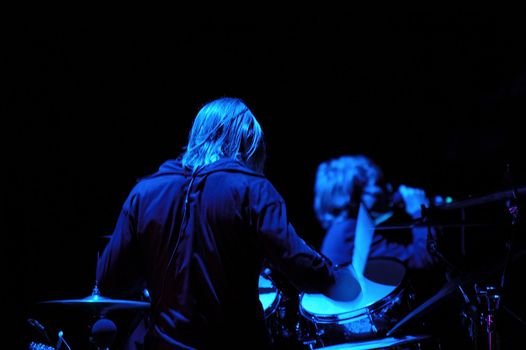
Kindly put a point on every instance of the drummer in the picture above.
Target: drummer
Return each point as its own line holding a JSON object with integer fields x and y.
{"x": 344, "y": 183}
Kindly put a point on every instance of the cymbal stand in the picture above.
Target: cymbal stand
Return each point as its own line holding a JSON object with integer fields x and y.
{"x": 513, "y": 209}
{"x": 103, "y": 330}
{"x": 491, "y": 297}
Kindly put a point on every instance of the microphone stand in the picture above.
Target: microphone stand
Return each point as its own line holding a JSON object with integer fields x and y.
{"x": 491, "y": 294}
{"x": 513, "y": 209}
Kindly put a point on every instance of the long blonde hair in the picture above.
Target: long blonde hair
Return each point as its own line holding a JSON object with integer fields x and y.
{"x": 225, "y": 128}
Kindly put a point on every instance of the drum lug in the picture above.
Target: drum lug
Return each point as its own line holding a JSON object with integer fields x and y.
{"x": 310, "y": 343}
{"x": 309, "y": 336}
{"x": 412, "y": 298}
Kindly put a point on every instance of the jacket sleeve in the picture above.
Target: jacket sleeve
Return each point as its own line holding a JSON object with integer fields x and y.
{"x": 286, "y": 252}
{"x": 119, "y": 268}
{"x": 415, "y": 254}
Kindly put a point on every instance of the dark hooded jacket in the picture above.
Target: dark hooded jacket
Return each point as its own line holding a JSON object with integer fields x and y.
{"x": 198, "y": 242}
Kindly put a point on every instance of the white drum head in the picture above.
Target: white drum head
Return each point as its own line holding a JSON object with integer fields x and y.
{"x": 268, "y": 293}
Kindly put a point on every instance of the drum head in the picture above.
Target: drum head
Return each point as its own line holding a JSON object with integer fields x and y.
{"x": 268, "y": 295}
{"x": 382, "y": 278}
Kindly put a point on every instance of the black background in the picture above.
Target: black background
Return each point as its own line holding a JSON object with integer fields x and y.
{"x": 436, "y": 97}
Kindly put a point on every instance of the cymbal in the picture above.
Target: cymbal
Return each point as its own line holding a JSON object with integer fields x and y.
{"x": 98, "y": 304}
{"x": 469, "y": 202}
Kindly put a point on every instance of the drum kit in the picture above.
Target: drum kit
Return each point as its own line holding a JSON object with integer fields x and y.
{"x": 360, "y": 323}
{"x": 379, "y": 318}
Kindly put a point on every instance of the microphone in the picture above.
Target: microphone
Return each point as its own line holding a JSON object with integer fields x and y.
{"x": 38, "y": 326}
{"x": 103, "y": 332}
{"x": 397, "y": 200}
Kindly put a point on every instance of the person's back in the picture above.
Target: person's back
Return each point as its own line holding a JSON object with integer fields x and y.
{"x": 212, "y": 265}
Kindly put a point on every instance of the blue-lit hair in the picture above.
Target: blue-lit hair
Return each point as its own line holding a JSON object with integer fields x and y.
{"x": 225, "y": 128}
{"x": 336, "y": 185}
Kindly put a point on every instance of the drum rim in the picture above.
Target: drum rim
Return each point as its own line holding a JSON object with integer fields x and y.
{"x": 365, "y": 310}
{"x": 277, "y": 299}
{"x": 274, "y": 305}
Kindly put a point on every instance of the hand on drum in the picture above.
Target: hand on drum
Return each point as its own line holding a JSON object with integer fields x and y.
{"x": 346, "y": 286}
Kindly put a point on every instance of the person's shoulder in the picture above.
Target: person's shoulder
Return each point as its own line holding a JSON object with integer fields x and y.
{"x": 169, "y": 172}
{"x": 169, "y": 168}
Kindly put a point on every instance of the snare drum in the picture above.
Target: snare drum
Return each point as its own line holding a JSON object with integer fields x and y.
{"x": 383, "y": 301}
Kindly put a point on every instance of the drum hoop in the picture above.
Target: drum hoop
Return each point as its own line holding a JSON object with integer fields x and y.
{"x": 274, "y": 305}
{"x": 360, "y": 312}
{"x": 277, "y": 298}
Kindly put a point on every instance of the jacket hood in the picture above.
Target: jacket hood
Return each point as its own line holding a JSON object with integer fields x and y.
{"x": 175, "y": 167}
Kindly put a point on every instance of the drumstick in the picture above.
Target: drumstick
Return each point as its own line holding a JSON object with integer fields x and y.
{"x": 362, "y": 242}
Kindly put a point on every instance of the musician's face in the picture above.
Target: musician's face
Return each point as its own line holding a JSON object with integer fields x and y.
{"x": 372, "y": 194}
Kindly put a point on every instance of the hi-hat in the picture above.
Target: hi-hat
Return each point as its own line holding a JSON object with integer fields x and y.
{"x": 98, "y": 304}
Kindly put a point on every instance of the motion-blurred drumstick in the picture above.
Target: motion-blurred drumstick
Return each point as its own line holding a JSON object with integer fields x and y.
{"x": 362, "y": 241}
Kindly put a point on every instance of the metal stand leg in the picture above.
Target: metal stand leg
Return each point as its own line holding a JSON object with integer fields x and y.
{"x": 491, "y": 297}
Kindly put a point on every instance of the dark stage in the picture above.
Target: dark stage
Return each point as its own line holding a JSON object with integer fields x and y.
{"x": 436, "y": 97}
